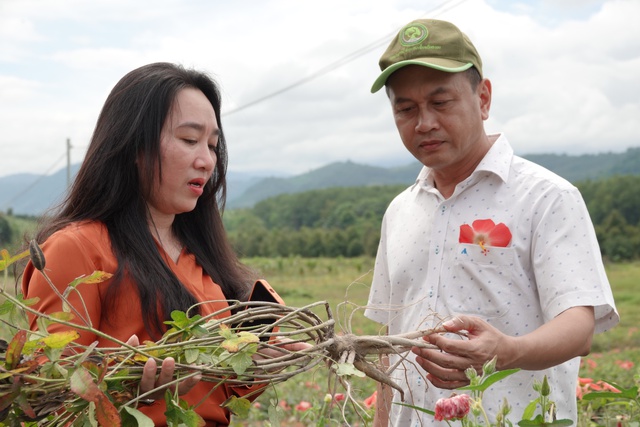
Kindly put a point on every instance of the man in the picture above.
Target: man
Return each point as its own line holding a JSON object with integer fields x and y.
{"x": 488, "y": 242}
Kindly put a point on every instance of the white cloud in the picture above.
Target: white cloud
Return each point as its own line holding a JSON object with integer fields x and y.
{"x": 564, "y": 73}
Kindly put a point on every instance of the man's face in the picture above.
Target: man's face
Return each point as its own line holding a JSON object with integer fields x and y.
{"x": 440, "y": 117}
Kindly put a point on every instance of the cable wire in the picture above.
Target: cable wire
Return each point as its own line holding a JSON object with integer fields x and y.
{"x": 340, "y": 62}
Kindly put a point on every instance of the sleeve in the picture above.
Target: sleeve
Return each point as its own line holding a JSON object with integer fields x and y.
{"x": 66, "y": 259}
{"x": 567, "y": 261}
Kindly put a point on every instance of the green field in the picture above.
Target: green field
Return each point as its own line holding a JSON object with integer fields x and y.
{"x": 344, "y": 284}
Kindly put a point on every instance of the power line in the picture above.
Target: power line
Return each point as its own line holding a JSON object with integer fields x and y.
{"x": 340, "y": 62}
{"x": 322, "y": 71}
{"x": 34, "y": 183}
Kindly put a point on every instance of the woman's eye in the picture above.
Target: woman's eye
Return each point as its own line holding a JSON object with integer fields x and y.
{"x": 213, "y": 148}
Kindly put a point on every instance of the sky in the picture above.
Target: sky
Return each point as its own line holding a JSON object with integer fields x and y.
{"x": 296, "y": 75}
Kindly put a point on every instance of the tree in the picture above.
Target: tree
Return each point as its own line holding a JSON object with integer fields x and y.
{"x": 6, "y": 233}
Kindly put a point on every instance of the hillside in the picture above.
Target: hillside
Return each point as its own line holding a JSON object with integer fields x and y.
{"x": 340, "y": 174}
{"x": 349, "y": 174}
{"x": 31, "y": 194}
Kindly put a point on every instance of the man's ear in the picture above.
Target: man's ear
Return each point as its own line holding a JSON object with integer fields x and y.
{"x": 484, "y": 94}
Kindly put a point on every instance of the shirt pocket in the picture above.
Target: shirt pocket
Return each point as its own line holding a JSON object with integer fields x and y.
{"x": 480, "y": 282}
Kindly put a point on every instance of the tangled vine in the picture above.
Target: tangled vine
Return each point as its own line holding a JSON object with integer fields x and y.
{"x": 47, "y": 379}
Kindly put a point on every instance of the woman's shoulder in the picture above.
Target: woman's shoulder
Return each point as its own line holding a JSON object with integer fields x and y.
{"x": 84, "y": 234}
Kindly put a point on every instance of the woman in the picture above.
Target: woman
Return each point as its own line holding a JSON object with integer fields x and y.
{"x": 146, "y": 206}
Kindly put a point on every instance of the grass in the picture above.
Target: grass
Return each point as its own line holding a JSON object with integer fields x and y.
{"x": 303, "y": 281}
{"x": 22, "y": 229}
{"x": 344, "y": 284}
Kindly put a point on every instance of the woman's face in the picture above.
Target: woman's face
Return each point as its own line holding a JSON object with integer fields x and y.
{"x": 187, "y": 152}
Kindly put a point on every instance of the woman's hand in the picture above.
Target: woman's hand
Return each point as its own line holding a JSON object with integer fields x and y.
{"x": 150, "y": 381}
{"x": 280, "y": 348}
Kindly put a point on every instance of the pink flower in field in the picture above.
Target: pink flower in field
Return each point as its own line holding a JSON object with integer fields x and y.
{"x": 608, "y": 387}
{"x": 625, "y": 364}
{"x": 338, "y": 397}
{"x": 257, "y": 405}
{"x": 587, "y": 385}
{"x": 312, "y": 385}
{"x": 371, "y": 400}
{"x": 591, "y": 363}
{"x": 303, "y": 406}
{"x": 455, "y": 407}
{"x": 485, "y": 232}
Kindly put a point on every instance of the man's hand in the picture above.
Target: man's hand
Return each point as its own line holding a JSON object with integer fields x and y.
{"x": 564, "y": 337}
{"x": 445, "y": 367}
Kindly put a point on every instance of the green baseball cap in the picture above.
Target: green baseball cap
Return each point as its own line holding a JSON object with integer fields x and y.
{"x": 431, "y": 43}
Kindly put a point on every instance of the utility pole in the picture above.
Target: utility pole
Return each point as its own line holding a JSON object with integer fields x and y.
{"x": 68, "y": 162}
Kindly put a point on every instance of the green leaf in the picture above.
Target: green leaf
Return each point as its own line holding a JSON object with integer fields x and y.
{"x": 21, "y": 400}
{"x": 225, "y": 331}
{"x": 53, "y": 370}
{"x": 7, "y": 259}
{"x": 95, "y": 277}
{"x": 626, "y": 393}
{"x": 181, "y": 414}
{"x": 240, "y": 362}
{"x": 276, "y": 414}
{"x": 347, "y": 369}
{"x": 6, "y": 307}
{"x": 14, "y": 350}
{"x": 530, "y": 410}
{"x": 234, "y": 343}
{"x": 57, "y": 340}
{"x": 81, "y": 383}
{"x": 238, "y": 406}
{"x": 191, "y": 355}
{"x": 131, "y": 417}
{"x": 539, "y": 422}
{"x": 490, "y": 380}
{"x": 417, "y": 408}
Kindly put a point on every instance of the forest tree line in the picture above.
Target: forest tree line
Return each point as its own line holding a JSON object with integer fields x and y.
{"x": 346, "y": 221}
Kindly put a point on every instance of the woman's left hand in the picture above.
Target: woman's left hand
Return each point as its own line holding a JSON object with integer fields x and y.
{"x": 151, "y": 381}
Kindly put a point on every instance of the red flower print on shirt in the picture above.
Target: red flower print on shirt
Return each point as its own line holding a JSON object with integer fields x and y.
{"x": 485, "y": 232}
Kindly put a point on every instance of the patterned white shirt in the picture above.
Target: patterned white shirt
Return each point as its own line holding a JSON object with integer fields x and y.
{"x": 424, "y": 274}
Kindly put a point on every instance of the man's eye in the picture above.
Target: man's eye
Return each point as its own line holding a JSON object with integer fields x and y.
{"x": 405, "y": 109}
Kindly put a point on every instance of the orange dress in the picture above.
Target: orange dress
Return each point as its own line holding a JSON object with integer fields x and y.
{"x": 80, "y": 249}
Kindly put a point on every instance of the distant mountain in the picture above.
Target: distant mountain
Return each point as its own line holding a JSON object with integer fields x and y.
{"x": 349, "y": 174}
{"x": 339, "y": 174}
{"x": 30, "y": 194}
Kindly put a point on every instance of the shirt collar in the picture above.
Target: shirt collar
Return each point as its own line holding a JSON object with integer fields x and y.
{"x": 497, "y": 161}
{"x": 498, "y": 158}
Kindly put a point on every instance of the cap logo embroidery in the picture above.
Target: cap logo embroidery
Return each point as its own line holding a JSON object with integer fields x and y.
{"x": 414, "y": 34}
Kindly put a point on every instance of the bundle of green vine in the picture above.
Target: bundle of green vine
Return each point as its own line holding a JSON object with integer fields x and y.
{"x": 47, "y": 379}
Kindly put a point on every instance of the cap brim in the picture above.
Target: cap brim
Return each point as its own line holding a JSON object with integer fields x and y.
{"x": 441, "y": 64}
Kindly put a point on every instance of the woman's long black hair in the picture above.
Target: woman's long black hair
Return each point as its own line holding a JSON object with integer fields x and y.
{"x": 109, "y": 188}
